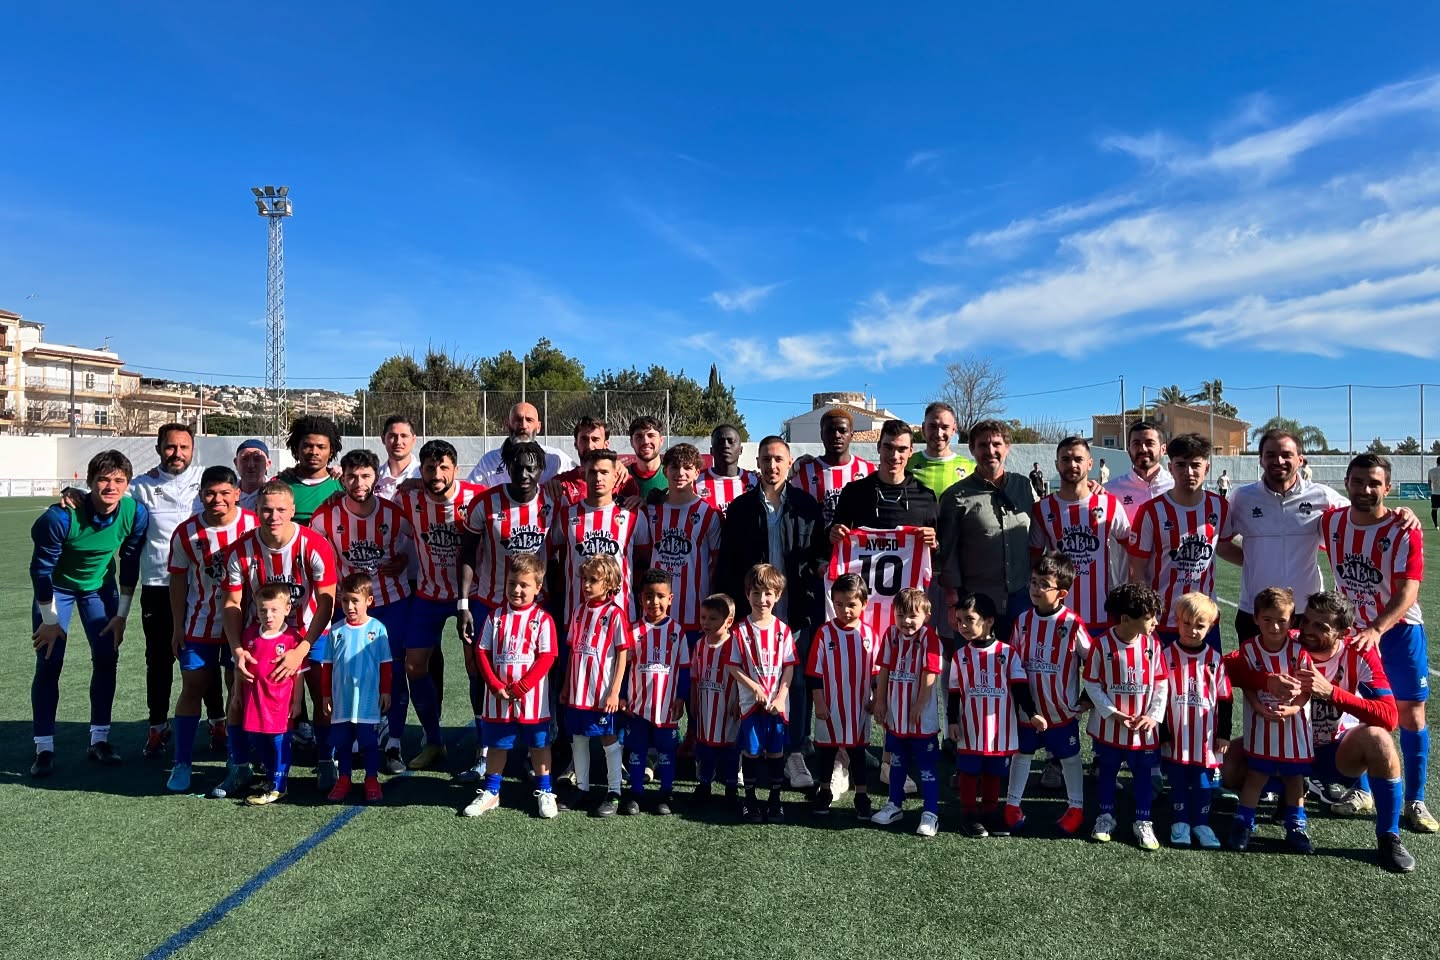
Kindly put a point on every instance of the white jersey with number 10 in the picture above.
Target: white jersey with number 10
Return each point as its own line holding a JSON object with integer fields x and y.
{"x": 888, "y": 561}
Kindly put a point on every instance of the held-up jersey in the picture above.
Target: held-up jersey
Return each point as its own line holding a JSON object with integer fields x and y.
{"x": 362, "y": 544}
{"x": 1053, "y": 651}
{"x": 658, "y": 656}
{"x": 720, "y": 491}
{"x": 1197, "y": 686}
{"x": 982, "y": 677}
{"x": 888, "y": 561}
{"x": 437, "y": 529}
{"x": 1368, "y": 562}
{"x": 506, "y": 528}
{"x": 712, "y": 690}
{"x": 686, "y": 541}
{"x": 1131, "y": 677}
{"x": 514, "y": 640}
{"x": 1093, "y": 533}
{"x": 1287, "y": 740}
{"x": 762, "y": 654}
{"x": 197, "y": 547}
{"x": 598, "y": 632}
{"x": 1181, "y": 541}
{"x": 824, "y": 482}
{"x": 306, "y": 564}
{"x": 907, "y": 659}
{"x": 842, "y": 661}
{"x": 582, "y": 531}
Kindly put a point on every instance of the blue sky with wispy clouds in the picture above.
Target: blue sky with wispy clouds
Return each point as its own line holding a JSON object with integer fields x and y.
{"x": 813, "y": 196}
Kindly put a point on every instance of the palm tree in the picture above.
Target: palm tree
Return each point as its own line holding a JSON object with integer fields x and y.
{"x": 1311, "y": 438}
{"x": 1212, "y": 392}
{"x": 1172, "y": 394}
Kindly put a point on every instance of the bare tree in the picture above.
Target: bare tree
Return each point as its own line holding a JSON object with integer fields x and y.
{"x": 131, "y": 415}
{"x": 975, "y": 387}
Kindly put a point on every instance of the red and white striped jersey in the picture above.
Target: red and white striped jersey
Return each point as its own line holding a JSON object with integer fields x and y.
{"x": 982, "y": 677}
{"x": 1289, "y": 740}
{"x": 659, "y": 652}
{"x": 824, "y": 482}
{"x": 362, "y": 544}
{"x": 197, "y": 552}
{"x": 506, "y": 528}
{"x": 762, "y": 654}
{"x": 888, "y": 561}
{"x": 582, "y": 531}
{"x": 907, "y": 659}
{"x": 1130, "y": 675}
{"x": 306, "y": 563}
{"x": 1053, "y": 651}
{"x": 1197, "y": 685}
{"x": 1181, "y": 544}
{"x": 1368, "y": 561}
{"x": 598, "y": 632}
{"x": 712, "y": 691}
{"x": 1354, "y": 672}
{"x": 515, "y": 639}
{"x": 843, "y": 660}
{"x": 438, "y": 533}
{"x": 720, "y": 491}
{"x": 687, "y": 538}
{"x": 1093, "y": 533}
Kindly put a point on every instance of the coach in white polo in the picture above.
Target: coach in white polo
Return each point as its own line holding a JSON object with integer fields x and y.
{"x": 1145, "y": 480}
{"x": 1277, "y": 525}
{"x": 522, "y": 424}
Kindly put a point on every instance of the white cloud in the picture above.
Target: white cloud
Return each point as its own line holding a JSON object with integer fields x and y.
{"x": 1051, "y": 221}
{"x": 751, "y": 359}
{"x": 925, "y": 159}
{"x": 745, "y": 299}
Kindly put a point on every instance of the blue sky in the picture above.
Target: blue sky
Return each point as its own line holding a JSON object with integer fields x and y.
{"x": 814, "y": 196}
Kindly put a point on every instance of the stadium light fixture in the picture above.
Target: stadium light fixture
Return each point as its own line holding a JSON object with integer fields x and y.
{"x": 257, "y": 191}
{"x": 283, "y": 192}
{"x": 269, "y": 190}
{"x": 260, "y": 207}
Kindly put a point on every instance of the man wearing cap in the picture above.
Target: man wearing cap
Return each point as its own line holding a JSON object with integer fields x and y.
{"x": 252, "y": 465}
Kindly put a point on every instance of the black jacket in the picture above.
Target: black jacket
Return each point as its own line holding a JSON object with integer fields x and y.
{"x": 745, "y": 541}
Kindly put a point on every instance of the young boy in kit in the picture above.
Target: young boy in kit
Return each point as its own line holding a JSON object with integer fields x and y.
{"x": 268, "y": 704}
{"x": 1125, "y": 680}
{"x": 599, "y": 655}
{"x": 659, "y": 686}
{"x": 714, "y": 707}
{"x": 762, "y": 664}
{"x": 905, "y": 702}
{"x": 1052, "y": 643}
{"x": 1196, "y": 730}
{"x": 1277, "y": 734}
{"x": 987, "y": 685}
{"x": 840, "y": 676}
{"x": 355, "y": 685}
{"x": 514, "y": 653}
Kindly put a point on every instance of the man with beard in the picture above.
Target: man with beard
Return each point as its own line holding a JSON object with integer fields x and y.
{"x": 171, "y": 494}
{"x": 724, "y": 480}
{"x": 1352, "y": 712}
{"x": 436, "y": 513}
{"x": 523, "y": 424}
{"x": 370, "y": 535}
{"x": 776, "y": 523}
{"x": 1378, "y": 566}
{"x": 825, "y": 477}
{"x": 1145, "y": 481}
{"x": 510, "y": 520}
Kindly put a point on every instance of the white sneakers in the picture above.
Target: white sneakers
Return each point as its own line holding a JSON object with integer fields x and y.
{"x": 839, "y": 780}
{"x": 1145, "y": 835}
{"x": 484, "y": 802}
{"x": 1104, "y": 826}
{"x": 887, "y": 815}
{"x": 929, "y": 825}
{"x": 549, "y": 810}
{"x": 797, "y": 773}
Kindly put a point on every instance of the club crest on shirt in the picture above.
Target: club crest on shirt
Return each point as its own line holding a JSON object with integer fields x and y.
{"x": 1383, "y": 543}
{"x": 215, "y": 567}
{"x": 279, "y": 649}
{"x": 1097, "y": 513}
{"x": 1213, "y": 519}
{"x": 1306, "y": 507}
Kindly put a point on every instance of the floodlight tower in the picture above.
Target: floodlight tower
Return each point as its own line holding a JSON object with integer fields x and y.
{"x": 274, "y": 205}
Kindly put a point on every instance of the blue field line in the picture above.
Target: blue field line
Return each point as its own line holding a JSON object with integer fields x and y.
{"x": 287, "y": 860}
{"x": 284, "y": 862}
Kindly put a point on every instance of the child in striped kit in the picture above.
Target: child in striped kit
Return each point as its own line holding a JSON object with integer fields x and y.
{"x": 714, "y": 709}
{"x": 1197, "y": 723}
{"x": 1125, "y": 680}
{"x": 599, "y": 655}
{"x": 762, "y": 662}
{"x": 659, "y": 684}
{"x": 1277, "y": 734}
{"x": 840, "y": 676}
{"x": 514, "y": 653}
{"x": 987, "y": 685}
{"x": 905, "y": 702}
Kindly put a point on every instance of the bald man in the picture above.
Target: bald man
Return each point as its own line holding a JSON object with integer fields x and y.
{"x": 523, "y": 424}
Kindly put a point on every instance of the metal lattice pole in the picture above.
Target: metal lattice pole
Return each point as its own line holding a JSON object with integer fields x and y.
{"x": 275, "y": 206}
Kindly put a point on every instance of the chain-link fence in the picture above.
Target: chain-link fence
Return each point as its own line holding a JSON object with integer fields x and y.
{"x": 484, "y": 414}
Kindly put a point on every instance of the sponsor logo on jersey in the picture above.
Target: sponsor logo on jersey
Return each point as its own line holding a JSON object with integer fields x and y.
{"x": 674, "y": 546}
{"x": 1194, "y": 550}
{"x": 364, "y": 554}
{"x": 1078, "y": 541}
{"x": 598, "y": 543}
{"x": 442, "y": 536}
{"x": 526, "y": 539}
{"x": 1357, "y": 569}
